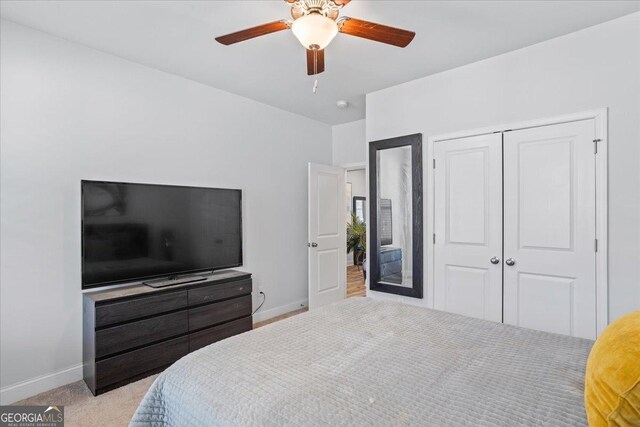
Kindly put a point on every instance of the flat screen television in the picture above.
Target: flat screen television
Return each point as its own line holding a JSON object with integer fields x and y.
{"x": 132, "y": 232}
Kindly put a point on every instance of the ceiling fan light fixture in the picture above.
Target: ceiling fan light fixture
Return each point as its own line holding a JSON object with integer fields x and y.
{"x": 314, "y": 31}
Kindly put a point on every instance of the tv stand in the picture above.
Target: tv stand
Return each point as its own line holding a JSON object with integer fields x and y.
{"x": 135, "y": 331}
{"x": 174, "y": 280}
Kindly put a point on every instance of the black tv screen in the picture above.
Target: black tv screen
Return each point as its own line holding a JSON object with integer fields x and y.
{"x": 133, "y": 232}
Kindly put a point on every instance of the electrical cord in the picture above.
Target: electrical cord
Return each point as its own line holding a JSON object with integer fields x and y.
{"x": 263, "y": 300}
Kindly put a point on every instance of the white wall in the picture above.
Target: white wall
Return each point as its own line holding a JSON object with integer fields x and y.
{"x": 69, "y": 112}
{"x": 349, "y": 146}
{"x": 593, "y": 68}
{"x": 358, "y": 181}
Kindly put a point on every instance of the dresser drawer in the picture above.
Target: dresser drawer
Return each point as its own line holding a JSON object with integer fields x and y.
{"x": 134, "y": 334}
{"x": 137, "y": 362}
{"x": 209, "y": 336}
{"x": 108, "y": 314}
{"x": 219, "y": 312}
{"x": 211, "y": 293}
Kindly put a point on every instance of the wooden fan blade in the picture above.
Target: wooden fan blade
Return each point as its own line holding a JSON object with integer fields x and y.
{"x": 376, "y": 32}
{"x": 311, "y": 70}
{"x": 341, "y": 2}
{"x": 250, "y": 33}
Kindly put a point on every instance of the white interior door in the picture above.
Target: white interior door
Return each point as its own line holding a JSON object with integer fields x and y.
{"x": 549, "y": 228}
{"x": 327, "y": 235}
{"x": 468, "y": 226}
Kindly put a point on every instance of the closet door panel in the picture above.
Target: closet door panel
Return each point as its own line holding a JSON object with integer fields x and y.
{"x": 468, "y": 226}
{"x": 549, "y": 228}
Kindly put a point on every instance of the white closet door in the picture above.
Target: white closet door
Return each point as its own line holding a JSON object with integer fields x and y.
{"x": 468, "y": 226}
{"x": 549, "y": 229}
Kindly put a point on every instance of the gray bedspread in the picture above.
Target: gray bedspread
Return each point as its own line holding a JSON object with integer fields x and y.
{"x": 364, "y": 362}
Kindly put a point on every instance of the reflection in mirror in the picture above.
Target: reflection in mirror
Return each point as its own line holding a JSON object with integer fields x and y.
{"x": 395, "y": 185}
{"x": 394, "y": 217}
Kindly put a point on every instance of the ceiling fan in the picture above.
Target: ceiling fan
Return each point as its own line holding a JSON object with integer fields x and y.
{"x": 315, "y": 23}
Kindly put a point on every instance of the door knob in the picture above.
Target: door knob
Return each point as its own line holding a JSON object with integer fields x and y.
{"x": 312, "y": 245}
{"x": 510, "y": 261}
{"x": 495, "y": 260}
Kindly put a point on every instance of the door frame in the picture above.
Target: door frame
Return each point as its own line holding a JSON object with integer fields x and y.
{"x": 600, "y": 118}
{"x": 348, "y": 167}
{"x": 353, "y": 167}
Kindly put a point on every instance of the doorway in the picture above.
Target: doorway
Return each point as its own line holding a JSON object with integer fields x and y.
{"x": 333, "y": 274}
{"x": 355, "y": 206}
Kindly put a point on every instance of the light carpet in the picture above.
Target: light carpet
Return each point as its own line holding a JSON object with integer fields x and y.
{"x": 114, "y": 408}
{"x": 81, "y": 408}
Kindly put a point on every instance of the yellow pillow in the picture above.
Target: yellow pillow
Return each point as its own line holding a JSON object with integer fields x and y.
{"x": 612, "y": 380}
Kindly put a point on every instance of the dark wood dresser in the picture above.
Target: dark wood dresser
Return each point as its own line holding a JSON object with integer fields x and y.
{"x": 135, "y": 331}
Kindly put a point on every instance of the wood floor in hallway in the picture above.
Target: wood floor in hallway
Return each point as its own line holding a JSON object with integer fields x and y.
{"x": 355, "y": 282}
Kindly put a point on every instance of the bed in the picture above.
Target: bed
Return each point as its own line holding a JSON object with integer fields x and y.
{"x": 365, "y": 362}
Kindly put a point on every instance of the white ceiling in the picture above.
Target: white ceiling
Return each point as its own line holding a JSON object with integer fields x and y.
{"x": 178, "y": 37}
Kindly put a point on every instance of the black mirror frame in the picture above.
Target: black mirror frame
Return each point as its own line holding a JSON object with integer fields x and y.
{"x": 415, "y": 141}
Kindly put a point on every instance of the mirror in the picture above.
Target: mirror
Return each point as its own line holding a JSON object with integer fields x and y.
{"x": 396, "y": 215}
{"x": 359, "y": 208}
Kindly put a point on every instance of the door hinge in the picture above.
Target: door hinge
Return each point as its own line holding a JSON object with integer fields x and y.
{"x": 434, "y": 238}
{"x": 595, "y": 145}
{"x": 596, "y": 244}
{"x": 434, "y": 163}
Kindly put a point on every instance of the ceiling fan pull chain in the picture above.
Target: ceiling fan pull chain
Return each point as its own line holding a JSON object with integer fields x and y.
{"x": 315, "y": 70}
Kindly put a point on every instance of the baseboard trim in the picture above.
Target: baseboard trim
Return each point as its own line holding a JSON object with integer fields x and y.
{"x": 40, "y": 384}
{"x": 277, "y": 311}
